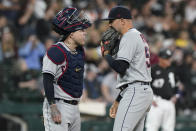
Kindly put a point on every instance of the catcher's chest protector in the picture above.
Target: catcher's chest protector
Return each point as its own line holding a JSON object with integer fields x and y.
{"x": 71, "y": 79}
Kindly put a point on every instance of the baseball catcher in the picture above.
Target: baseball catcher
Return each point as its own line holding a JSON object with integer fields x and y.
{"x": 63, "y": 68}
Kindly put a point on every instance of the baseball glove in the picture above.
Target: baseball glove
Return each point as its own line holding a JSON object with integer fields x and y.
{"x": 110, "y": 41}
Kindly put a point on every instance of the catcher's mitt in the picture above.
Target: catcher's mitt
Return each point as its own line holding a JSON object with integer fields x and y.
{"x": 110, "y": 41}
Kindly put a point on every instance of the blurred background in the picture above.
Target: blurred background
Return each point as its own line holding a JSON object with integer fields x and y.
{"x": 25, "y": 35}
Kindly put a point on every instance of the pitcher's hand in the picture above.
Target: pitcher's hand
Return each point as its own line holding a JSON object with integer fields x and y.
{"x": 113, "y": 109}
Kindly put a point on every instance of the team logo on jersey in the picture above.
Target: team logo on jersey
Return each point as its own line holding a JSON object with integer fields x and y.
{"x": 77, "y": 69}
{"x": 158, "y": 72}
{"x": 158, "y": 83}
{"x": 63, "y": 68}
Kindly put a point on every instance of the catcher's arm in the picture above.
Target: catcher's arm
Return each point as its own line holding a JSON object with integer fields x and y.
{"x": 49, "y": 92}
{"x": 49, "y": 87}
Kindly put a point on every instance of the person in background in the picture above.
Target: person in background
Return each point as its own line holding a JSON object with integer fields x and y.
{"x": 108, "y": 87}
{"x": 92, "y": 90}
{"x": 164, "y": 85}
{"x": 32, "y": 52}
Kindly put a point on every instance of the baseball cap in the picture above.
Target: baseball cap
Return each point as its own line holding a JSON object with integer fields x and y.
{"x": 165, "y": 53}
{"x": 119, "y": 12}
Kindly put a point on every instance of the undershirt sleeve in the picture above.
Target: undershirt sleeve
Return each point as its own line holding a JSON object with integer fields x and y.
{"x": 120, "y": 66}
{"x": 48, "y": 86}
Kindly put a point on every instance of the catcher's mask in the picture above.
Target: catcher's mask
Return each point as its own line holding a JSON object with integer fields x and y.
{"x": 70, "y": 20}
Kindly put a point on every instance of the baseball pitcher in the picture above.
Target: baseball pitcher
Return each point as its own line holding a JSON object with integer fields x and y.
{"x": 127, "y": 52}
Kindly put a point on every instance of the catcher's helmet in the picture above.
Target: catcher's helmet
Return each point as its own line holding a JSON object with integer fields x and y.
{"x": 69, "y": 20}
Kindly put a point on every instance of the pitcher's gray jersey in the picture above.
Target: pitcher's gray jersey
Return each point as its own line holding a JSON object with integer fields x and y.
{"x": 134, "y": 49}
{"x": 137, "y": 96}
{"x": 56, "y": 71}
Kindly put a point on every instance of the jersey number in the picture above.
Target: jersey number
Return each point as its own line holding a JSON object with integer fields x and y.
{"x": 158, "y": 83}
{"x": 147, "y": 52}
{"x": 171, "y": 79}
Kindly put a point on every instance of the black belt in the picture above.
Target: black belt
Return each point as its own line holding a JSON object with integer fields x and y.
{"x": 126, "y": 85}
{"x": 72, "y": 102}
{"x": 142, "y": 82}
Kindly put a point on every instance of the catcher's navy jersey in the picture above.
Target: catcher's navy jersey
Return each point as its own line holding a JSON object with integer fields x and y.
{"x": 134, "y": 49}
{"x": 57, "y": 70}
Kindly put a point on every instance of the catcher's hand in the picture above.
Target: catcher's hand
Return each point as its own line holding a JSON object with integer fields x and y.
{"x": 55, "y": 114}
{"x": 110, "y": 42}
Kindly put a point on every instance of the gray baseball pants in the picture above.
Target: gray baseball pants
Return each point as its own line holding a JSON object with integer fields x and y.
{"x": 70, "y": 117}
{"x": 133, "y": 108}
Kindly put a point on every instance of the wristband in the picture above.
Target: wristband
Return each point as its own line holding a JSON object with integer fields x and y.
{"x": 119, "y": 98}
{"x": 51, "y": 102}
